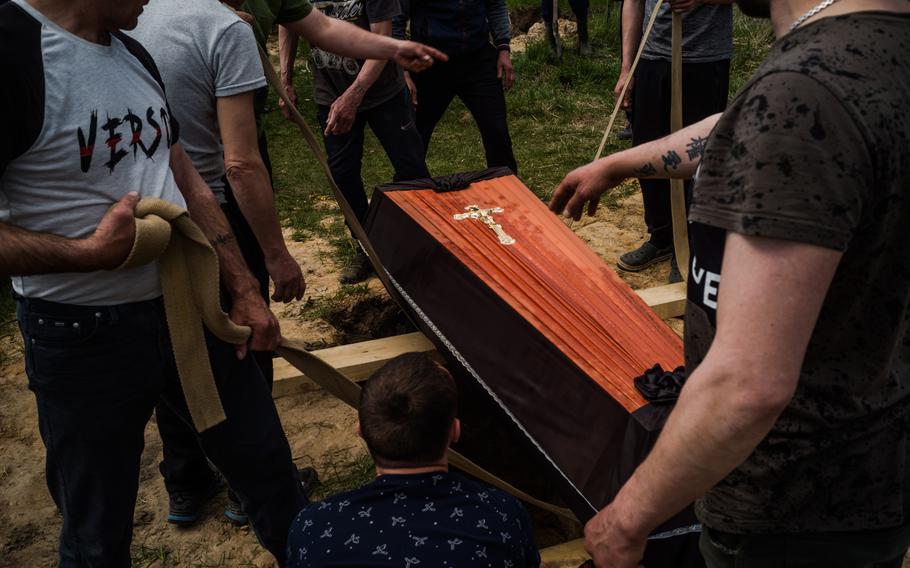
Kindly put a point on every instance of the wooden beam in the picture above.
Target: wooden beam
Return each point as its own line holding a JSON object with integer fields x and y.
{"x": 667, "y": 301}
{"x": 357, "y": 361}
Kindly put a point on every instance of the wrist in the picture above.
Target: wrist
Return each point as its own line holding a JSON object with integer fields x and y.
{"x": 275, "y": 253}
{"x": 357, "y": 90}
{"x": 90, "y": 255}
{"x": 626, "y": 519}
{"x": 242, "y": 287}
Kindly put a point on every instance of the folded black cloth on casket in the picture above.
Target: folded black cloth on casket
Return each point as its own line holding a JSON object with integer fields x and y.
{"x": 451, "y": 182}
{"x": 659, "y": 386}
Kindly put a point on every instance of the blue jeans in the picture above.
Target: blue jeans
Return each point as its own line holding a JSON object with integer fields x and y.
{"x": 97, "y": 373}
{"x": 393, "y": 124}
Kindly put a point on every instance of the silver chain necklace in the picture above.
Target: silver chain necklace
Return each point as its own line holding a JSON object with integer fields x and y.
{"x": 811, "y": 13}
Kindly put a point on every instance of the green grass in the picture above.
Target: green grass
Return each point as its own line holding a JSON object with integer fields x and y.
{"x": 345, "y": 476}
{"x": 557, "y": 113}
{"x": 145, "y": 557}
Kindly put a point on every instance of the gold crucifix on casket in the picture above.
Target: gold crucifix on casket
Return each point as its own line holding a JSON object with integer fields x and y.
{"x": 486, "y": 215}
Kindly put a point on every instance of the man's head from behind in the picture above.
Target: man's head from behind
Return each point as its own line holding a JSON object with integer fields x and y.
{"x": 407, "y": 412}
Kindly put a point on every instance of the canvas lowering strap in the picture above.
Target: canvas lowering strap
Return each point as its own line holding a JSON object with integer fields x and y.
{"x": 189, "y": 280}
{"x": 191, "y": 297}
{"x": 677, "y": 188}
{"x": 625, "y": 87}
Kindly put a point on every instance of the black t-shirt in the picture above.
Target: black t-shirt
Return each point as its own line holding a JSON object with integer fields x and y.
{"x": 816, "y": 149}
{"x": 333, "y": 74}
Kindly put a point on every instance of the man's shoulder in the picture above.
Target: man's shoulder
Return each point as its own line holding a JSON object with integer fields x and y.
{"x": 19, "y": 30}
{"x": 335, "y": 504}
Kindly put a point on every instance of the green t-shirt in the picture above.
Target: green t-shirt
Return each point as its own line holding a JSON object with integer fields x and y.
{"x": 267, "y": 13}
{"x": 270, "y": 12}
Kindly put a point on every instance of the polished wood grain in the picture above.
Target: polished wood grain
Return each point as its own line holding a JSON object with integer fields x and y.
{"x": 553, "y": 279}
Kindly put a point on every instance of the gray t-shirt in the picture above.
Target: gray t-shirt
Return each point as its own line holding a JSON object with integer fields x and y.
{"x": 82, "y": 124}
{"x": 707, "y": 33}
{"x": 204, "y": 52}
{"x": 333, "y": 74}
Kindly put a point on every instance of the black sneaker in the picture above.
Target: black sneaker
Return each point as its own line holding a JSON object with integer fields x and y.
{"x": 184, "y": 507}
{"x": 307, "y": 476}
{"x": 234, "y": 510}
{"x": 643, "y": 257}
{"x": 358, "y": 270}
{"x": 675, "y": 275}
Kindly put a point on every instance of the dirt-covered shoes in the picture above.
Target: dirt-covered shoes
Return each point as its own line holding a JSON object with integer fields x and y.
{"x": 643, "y": 257}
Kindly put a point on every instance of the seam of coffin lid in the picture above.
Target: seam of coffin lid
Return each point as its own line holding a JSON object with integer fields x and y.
{"x": 464, "y": 363}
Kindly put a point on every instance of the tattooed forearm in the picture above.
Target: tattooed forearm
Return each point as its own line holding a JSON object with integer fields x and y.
{"x": 646, "y": 170}
{"x": 671, "y": 160}
{"x": 696, "y": 148}
{"x": 223, "y": 239}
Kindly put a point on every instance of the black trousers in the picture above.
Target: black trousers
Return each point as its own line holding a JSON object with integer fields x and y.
{"x": 884, "y": 548}
{"x": 472, "y": 78}
{"x": 705, "y": 87}
{"x": 393, "y": 124}
{"x": 97, "y": 373}
{"x": 185, "y": 466}
{"x": 579, "y": 7}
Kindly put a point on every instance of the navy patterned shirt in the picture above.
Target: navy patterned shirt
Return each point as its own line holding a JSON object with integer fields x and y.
{"x": 426, "y": 520}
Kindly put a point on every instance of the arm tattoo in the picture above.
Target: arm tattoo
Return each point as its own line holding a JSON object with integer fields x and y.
{"x": 671, "y": 160}
{"x": 646, "y": 170}
{"x": 224, "y": 239}
{"x": 696, "y": 148}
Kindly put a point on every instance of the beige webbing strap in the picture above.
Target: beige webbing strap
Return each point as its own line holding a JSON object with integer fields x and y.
{"x": 677, "y": 186}
{"x": 189, "y": 281}
{"x": 625, "y": 87}
{"x": 349, "y": 216}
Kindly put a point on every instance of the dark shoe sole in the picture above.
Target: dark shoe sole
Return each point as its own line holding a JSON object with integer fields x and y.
{"x": 237, "y": 519}
{"x": 354, "y": 279}
{"x": 182, "y": 520}
{"x": 638, "y": 268}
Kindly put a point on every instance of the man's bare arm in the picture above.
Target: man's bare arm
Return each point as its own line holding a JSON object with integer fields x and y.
{"x": 633, "y": 13}
{"x": 287, "y": 55}
{"x": 23, "y": 253}
{"x": 343, "y": 111}
{"x": 769, "y": 300}
{"x": 248, "y": 306}
{"x": 251, "y": 186}
{"x": 674, "y": 156}
{"x": 344, "y": 38}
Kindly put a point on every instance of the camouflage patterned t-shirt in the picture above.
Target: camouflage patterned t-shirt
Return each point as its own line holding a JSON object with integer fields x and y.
{"x": 816, "y": 149}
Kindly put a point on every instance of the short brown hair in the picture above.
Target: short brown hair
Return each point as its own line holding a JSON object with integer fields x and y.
{"x": 406, "y": 411}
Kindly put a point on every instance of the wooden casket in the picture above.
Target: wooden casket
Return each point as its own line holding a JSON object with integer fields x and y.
{"x": 521, "y": 306}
